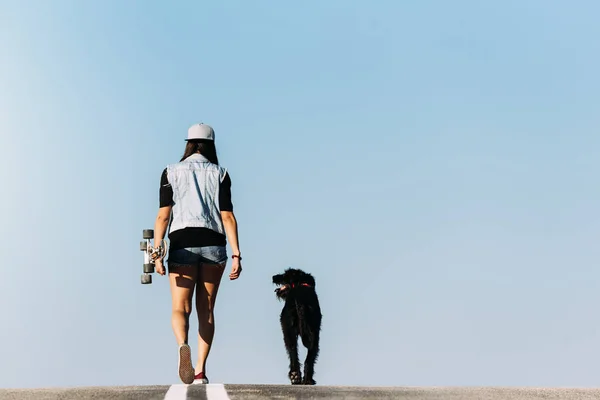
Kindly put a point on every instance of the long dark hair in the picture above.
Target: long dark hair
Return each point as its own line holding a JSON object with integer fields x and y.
{"x": 205, "y": 147}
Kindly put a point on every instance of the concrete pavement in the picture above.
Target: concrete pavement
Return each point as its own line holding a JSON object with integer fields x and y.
{"x": 260, "y": 392}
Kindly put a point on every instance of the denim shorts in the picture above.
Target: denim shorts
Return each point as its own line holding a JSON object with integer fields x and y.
{"x": 195, "y": 256}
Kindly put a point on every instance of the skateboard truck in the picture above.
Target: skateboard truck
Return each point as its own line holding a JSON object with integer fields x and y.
{"x": 151, "y": 254}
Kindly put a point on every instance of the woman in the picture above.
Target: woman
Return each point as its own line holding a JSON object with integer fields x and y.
{"x": 195, "y": 194}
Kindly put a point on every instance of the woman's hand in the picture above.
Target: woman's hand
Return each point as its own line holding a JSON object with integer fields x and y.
{"x": 236, "y": 269}
{"x": 159, "y": 267}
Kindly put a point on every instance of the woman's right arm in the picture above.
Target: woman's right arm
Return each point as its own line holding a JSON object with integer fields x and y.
{"x": 230, "y": 224}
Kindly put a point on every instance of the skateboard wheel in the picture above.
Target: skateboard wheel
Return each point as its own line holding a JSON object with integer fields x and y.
{"x": 148, "y": 233}
{"x": 148, "y": 268}
{"x": 143, "y": 245}
{"x": 146, "y": 279}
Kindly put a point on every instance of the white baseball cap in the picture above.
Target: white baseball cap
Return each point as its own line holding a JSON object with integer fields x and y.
{"x": 201, "y": 131}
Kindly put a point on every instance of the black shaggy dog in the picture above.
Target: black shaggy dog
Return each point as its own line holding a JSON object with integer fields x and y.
{"x": 300, "y": 316}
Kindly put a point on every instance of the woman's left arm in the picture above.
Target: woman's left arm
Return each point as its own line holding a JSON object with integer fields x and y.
{"x": 160, "y": 228}
{"x": 161, "y": 223}
{"x": 164, "y": 215}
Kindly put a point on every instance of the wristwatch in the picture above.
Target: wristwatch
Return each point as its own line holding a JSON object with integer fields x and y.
{"x": 237, "y": 256}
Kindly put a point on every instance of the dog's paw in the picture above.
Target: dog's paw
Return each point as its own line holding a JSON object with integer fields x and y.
{"x": 310, "y": 381}
{"x": 295, "y": 377}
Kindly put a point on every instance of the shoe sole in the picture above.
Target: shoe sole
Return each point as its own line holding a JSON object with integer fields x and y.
{"x": 186, "y": 370}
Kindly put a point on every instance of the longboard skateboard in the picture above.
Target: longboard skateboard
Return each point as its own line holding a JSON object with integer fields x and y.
{"x": 151, "y": 254}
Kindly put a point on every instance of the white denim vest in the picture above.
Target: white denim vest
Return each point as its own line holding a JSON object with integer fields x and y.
{"x": 196, "y": 183}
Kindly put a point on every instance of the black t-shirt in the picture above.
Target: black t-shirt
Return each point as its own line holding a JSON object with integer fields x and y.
{"x": 195, "y": 237}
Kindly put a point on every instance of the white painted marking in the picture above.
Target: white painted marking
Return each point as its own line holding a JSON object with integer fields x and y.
{"x": 216, "y": 391}
{"x": 177, "y": 392}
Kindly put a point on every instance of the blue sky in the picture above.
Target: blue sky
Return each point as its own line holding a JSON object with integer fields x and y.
{"x": 432, "y": 163}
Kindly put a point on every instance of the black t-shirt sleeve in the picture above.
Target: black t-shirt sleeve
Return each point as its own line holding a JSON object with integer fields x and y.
{"x": 225, "y": 203}
{"x": 166, "y": 191}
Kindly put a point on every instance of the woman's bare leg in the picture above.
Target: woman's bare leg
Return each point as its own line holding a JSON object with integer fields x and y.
{"x": 206, "y": 294}
{"x": 183, "y": 280}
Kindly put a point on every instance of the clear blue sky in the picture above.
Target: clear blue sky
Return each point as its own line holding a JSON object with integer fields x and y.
{"x": 434, "y": 164}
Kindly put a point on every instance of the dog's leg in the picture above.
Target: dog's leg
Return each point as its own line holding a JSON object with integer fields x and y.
{"x": 311, "y": 358}
{"x": 290, "y": 337}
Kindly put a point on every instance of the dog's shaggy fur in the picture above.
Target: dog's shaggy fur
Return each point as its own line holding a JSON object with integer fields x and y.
{"x": 300, "y": 316}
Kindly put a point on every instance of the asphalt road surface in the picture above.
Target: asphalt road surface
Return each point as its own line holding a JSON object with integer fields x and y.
{"x": 284, "y": 392}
